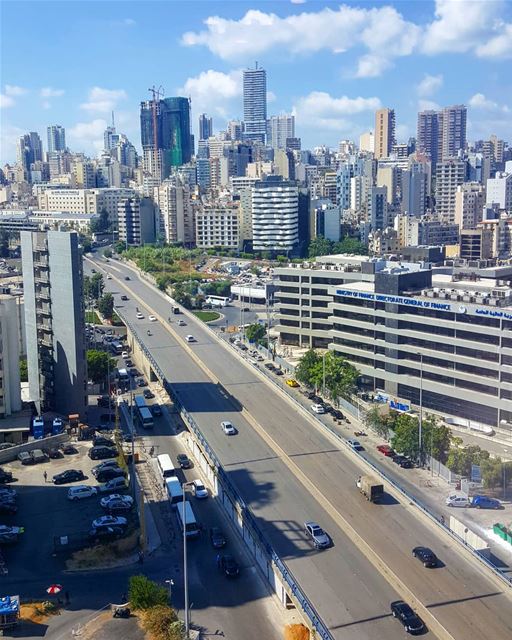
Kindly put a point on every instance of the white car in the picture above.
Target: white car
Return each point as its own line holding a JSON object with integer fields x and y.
{"x": 356, "y": 445}
{"x": 109, "y": 521}
{"x": 228, "y": 428}
{"x": 115, "y": 497}
{"x": 116, "y": 484}
{"x": 182, "y": 323}
{"x": 109, "y": 277}
{"x": 125, "y": 355}
{"x": 190, "y": 338}
{"x": 140, "y": 316}
{"x": 200, "y": 491}
{"x": 81, "y": 491}
{"x": 152, "y": 318}
{"x": 457, "y": 501}
{"x": 318, "y": 408}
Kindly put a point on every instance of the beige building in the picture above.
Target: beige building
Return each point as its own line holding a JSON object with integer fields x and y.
{"x": 388, "y": 177}
{"x": 384, "y": 132}
{"x": 469, "y": 204}
{"x": 175, "y": 211}
{"x": 217, "y": 226}
{"x": 367, "y": 142}
{"x": 476, "y": 244}
{"x": 450, "y": 174}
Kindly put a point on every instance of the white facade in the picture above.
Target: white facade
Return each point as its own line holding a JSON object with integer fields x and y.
{"x": 449, "y": 175}
{"x": 279, "y": 128}
{"x": 499, "y": 191}
{"x": 10, "y": 390}
{"x": 83, "y": 200}
{"x": 469, "y": 204}
{"x": 275, "y": 215}
{"x": 174, "y": 205}
{"x": 217, "y": 226}
{"x": 367, "y": 142}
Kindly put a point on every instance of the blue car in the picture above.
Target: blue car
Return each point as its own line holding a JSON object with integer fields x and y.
{"x": 483, "y": 502}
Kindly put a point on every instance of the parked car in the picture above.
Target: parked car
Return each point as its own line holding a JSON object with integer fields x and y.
{"x": 148, "y": 394}
{"x": 228, "y": 428}
{"x": 484, "y": 502}
{"x": 317, "y": 408}
{"x": 156, "y": 410}
{"x": 9, "y": 535}
{"x": 109, "y": 521}
{"x": 68, "y": 449}
{"x": 116, "y": 503}
{"x": 99, "y": 534}
{"x": 199, "y": 490}
{"x": 107, "y": 464}
{"x": 397, "y": 458}
{"x": 54, "y": 454}
{"x": 317, "y": 535}
{"x": 269, "y": 366}
{"x": 292, "y": 383}
{"x": 410, "y": 620}
{"x": 386, "y": 450}
{"x": 455, "y": 500}
{"x": 116, "y": 484}
{"x": 70, "y": 475}
{"x": 100, "y": 440}
{"x": 25, "y": 458}
{"x": 5, "y": 476}
{"x": 405, "y": 463}
{"x": 217, "y": 538}
{"x": 426, "y": 556}
{"x": 104, "y": 475}
{"x": 184, "y": 461}
{"x": 38, "y": 455}
{"x": 355, "y": 445}
{"x": 229, "y": 566}
{"x": 278, "y": 372}
{"x": 141, "y": 382}
{"x": 80, "y": 492}
{"x": 101, "y": 453}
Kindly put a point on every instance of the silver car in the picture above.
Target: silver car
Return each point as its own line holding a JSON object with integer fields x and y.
{"x": 318, "y": 536}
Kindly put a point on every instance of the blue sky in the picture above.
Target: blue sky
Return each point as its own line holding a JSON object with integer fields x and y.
{"x": 332, "y": 64}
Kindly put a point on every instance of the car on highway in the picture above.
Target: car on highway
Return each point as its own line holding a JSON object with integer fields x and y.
{"x": 355, "y": 445}
{"x": 217, "y": 538}
{"x": 102, "y": 452}
{"x": 139, "y": 316}
{"x": 124, "y": 298}
{"x": 70, "y": 475}
{"x": 127, "y": 278}
{"x": 456, "y": 500}
{"x": 109, "y": 277}
{"x": 148, "y": 394}
{"x": 199, "y": 490}
{"x": 386, "y": 450}
{"x": 109, "y": 521}
{"x": 182, "y": 323}
{"x": 116, "y": 503}
{"x": 484, "y": 502}
{"x": 228, "y": 428}
{"x": 317, "y": 408}
{"x": 229, "y": 567}
{"x": 190, "y": 338}
{"x": 9, "y": 535}
{"x": 80, "y": 492}
{"x": 152, "y": 318}
{"x": 183, "y": 461}
{"x": 292, "y": 383}
{"x": 317, "y": 535}
{"x": 278, "y": 372}
{"x": 410, "y": 620}
{"x": 426, "y": 556}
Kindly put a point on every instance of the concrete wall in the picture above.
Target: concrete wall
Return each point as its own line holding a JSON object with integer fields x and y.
{"x": 469, "y": 537}
{"x": 8, "y": 455}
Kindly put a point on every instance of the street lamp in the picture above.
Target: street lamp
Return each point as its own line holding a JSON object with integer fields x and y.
{"x": 185, "y": 568}
{"x": 420, "y": 422}
{"x": 170, "y": 584}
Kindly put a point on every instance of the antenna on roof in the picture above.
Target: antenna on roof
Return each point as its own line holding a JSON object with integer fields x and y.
{"x": 113, "y": 123}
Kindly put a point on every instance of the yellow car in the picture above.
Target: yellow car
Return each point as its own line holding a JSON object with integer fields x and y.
{"x": 292, "y": 383}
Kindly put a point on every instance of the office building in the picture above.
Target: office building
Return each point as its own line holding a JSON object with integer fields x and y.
{"x": 414, "y": 191}
{"x": 389, "y": 177}
{"x": 165, "y": 135}
{"x": 84, "y": 174}
{"x": 453, "y": 138}
{"x": 275, "y": 215}
{"x": 325, "y": 219}
{"x": 293, "y": 144}
{"x": 205, "y": 127}
{"x": 279, "y": 129}
{"x": 55, "y": 321}
{"x": 413, "y": 231}
{"x": 217, "y": 226}
{"x": 469, "y": 204}
{"x": 56, "y": 138}
{"x": 255, "y": 103}
{"x": 29, "y": 150}
{"x": 175, "y": 210}
{"x": 449, "y": 175}
{"x": 476, "y": 244}
{"x": 110, "y": 138}
{"x": 284, "y": 165}
{"x": 235, "y": 130}
{"x": 499, "y": 191}
{"x": 377, "y": 207}
{"x": 428, "y": 135}
{"x": 400, "y": 324}
{"x": 84, "y": 200}
{"x": 384, "y": 132}
{"x": 136, "y": 221}
{"x": 10, "y": 390}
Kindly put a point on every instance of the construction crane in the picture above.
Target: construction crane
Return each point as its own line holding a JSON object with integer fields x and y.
{"x": 157, "y": 93}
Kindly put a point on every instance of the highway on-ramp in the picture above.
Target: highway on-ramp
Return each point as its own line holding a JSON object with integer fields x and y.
{"x": 288, "y": 471}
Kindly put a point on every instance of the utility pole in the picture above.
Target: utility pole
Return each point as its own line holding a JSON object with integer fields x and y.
{"x": 420, "y": 421}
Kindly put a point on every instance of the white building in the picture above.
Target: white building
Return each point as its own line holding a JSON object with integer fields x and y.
{"x": 499, "y": 190}
{"x": 136, "y": 221}
{"x": 469, "y": 204}
{"x": 450, "y": 174}
{"x": 10, "y": 390}
{"x": 367, "y": 142}
{"x": 279, "y": 128}
{"x": 275, "y": 215}
{"x": 217, "y": 226}
{"x": 83, "y": 200}
{"x": 175, "y": 211}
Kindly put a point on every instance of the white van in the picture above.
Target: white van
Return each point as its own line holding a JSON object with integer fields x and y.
{"x": 166, "y": 466}
{"x": 190, "y": 338}
{"x": 174, "y": 490}
{"x": 81, "y": 491}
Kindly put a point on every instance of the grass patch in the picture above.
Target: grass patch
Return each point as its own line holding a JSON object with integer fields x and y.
{"x": 92, "y": 317}
{"x": 38, "y": 612}
{"x": 116, "y": 320}
{"x": 207, "y": 316}
{"x": 104, "y": 555}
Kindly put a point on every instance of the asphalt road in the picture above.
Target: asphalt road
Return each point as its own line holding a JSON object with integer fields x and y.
{"x": 351, "y": 596}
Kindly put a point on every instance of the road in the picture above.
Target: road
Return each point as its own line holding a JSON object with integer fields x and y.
{"x": 350, "y": 584}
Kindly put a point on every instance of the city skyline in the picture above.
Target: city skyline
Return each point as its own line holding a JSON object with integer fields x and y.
{"x": 407, "y": 57}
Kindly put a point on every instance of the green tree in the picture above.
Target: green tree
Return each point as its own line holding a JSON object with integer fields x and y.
{"x": 255, "y": 332}
{"x": 93, "y": 286}
{"x": 405, "y": 438}
{"x": 320, "y": 246}
{"x": 436, "y": 439}
{"x": 492, "y": 472}
{"x": 380, "y": 422}
{"x": 460, "y": 459}
{"x": 181, "y": 295}
{"x": 101, "y": 224}
{"x": 23, "y": 370}
{"x": 307, "y": 369}
{"x": 107, "y": 253}
{"x": 340, "y": 375}
{"x": 162, "y": 623}
{"x": 351, "y": 245}
{"x": 143, "y": 593}
{"x": 98, "y": 363}
{"x": 106, "y": 306}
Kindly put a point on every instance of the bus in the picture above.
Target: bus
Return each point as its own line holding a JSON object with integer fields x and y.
{"x": 218, "y": 301}
{"x": 165, "y": 465}
{"x": 142, "y": 413}
{"x": 187, "y": 520}
{"x": 174, "y": 490}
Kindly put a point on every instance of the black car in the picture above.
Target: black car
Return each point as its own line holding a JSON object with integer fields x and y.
{"x": 134, "y": 372}
{"x": 108, "y": 464}
{"x": 426, "y": 556}
{"x": 336, "y": 413}
{"x": 128, "y": 363}
{"x": 127, "y": 277}
{"x": 406, "y": 463}
{"x": 184, "y": 461}
{"x": 156, "y": 410}
{"x": 148, "y": 394}
{"x": 69, "y": 449}
{"x": 141, "y": 382}
{"x": 411, "y": 621}
{"x": 102, "y": 453}
{"x": 98, "y": 534}
{"x": 70, "y": 475}
{"x": 217, "y": 538}
{"x": 102, "y": 441}
{"x": 109, "y": 474}
{"x": 124, "y": 298}
{"x": 278, "y": 372}
{"x": 5, "y": 476}
{"x": 229, "y": 566}
{"x": 54, "y": 453}
{"x": 269, "y": 366}
{"x": 398, "y": 459}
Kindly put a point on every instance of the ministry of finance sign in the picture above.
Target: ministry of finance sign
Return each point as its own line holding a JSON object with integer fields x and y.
{"x": 381, "y": 297}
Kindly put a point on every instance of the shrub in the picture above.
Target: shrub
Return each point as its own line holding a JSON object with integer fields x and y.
{"x": 145, "y": 594}
{"x": 162, "y": 623}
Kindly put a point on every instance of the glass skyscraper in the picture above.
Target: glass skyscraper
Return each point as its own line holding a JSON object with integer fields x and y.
{"x": 255, "y": 104}
{"x": 56, "y": 138}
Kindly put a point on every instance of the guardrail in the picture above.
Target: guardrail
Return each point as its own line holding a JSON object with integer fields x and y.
{"x": 286, "y": 575}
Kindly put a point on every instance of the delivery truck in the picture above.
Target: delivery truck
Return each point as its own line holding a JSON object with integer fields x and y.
{"x": 370, "y": 487}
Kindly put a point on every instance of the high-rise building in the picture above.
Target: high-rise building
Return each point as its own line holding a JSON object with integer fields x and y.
{"x": 29, "y": 150}
{"x": 367, "y": 142}
{"x": 469, "y": 205}
{"x": 388, "y": 176}
{"x": 235, "y": 130}
{"x": 165, "y": 135}
{"x": 384, "y": 132}
{"x": 217, "y": 226}
{"x": 205, "y": 127}
{"x": 279, "y": 128}
{"x": 414, "y": 191}
{"x": 499, "y": 191}
{"x": 174, "y": 206}
{"x": 428, "y": 138}
{"x": 56, "y": 138}
{"x": 10, "y": 390}
{"x": 55, "y": 321}
{"x": 377, "y": 207}
{"x": 449, "y": 175}
{"x": 348, "y": 169}
{"x": 255, "y": 103}
{"x": 136, "y": 221}
{"x": 275, "y": 215}
{"x": 442, "y": 134}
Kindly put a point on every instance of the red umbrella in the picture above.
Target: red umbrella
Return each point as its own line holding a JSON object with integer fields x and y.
{"x": 54, "y": 589}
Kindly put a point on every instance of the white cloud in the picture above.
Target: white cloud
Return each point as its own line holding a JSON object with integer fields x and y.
{"x": 499, "y": 46}
{"x": 298, "y": 1}
{"x": 371, "y": 66}
{"x": 213, "y": 91}
{"x": 87, "y": 136}
{"x": 321, "y": 110}
{"x": 103, "y": 100}
{"x": 271, "y": 96}
{"x": 6, "y": 101}
{"x": 13, "y": 90}
{"x": 429, "y": 85}
{"x": 50, "y": 92}
{"x": 129, "y": 22}
{"x": 428, "y": 105}
{"x": 479, "y": 101}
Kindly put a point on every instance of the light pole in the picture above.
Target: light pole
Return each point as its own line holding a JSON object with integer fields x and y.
{"x": 132, "y": 431}
{"x": 185, "y": 568}
{"x": 170, "y": 584}
{"x": 420, "y": 422}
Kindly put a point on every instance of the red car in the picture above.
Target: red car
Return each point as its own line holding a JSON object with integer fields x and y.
{"x": 386, "y": 450}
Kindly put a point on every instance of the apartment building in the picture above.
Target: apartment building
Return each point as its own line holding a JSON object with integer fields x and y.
{"x": 10, "y": 390}
{"x": 136, "y": 221}
{"x": 217, "y": 226}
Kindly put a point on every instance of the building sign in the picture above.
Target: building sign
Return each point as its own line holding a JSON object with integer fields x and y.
{"x": 381, "y": 297}
{"x": 399, "y": 406}
{"x": 476, "y": 476}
